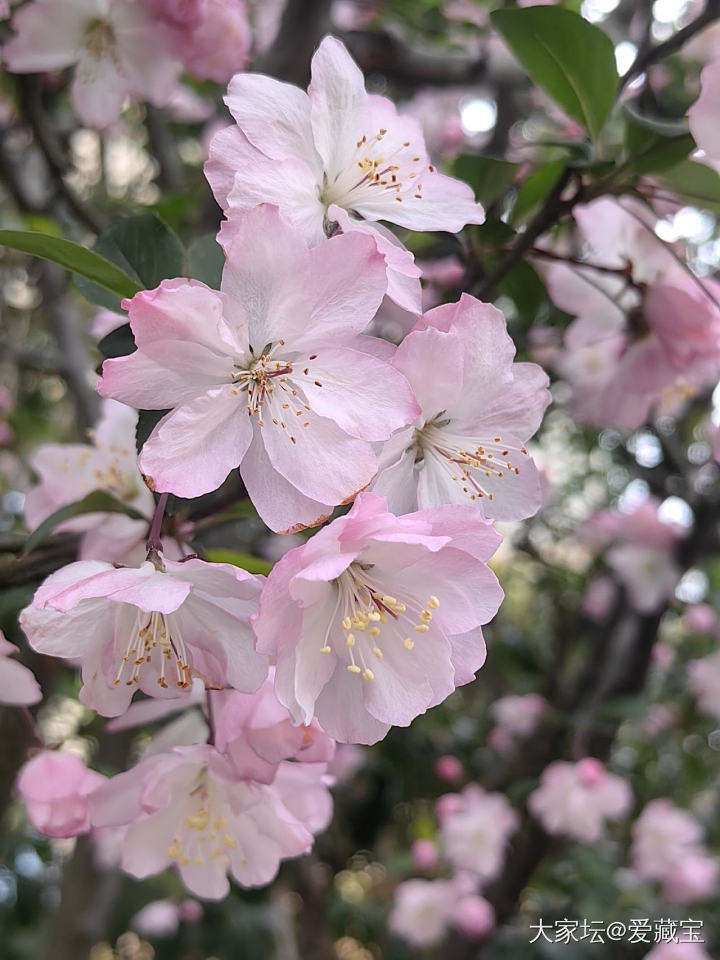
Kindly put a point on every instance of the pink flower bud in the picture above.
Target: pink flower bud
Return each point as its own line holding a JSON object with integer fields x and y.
{"x": 449, "y": 769}
{"x": 424, "y": 854}
{"x": 55, "y": 787}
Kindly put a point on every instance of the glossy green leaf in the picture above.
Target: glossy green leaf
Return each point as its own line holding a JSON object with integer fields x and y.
{"x": 72, "y": 256}
{"x": 206, "y": 260}
{"x": 569, "y": 58}
{"x": 696, "y": 183}
{"x": 99, "y": 501}
{"x": 489, "y": 177}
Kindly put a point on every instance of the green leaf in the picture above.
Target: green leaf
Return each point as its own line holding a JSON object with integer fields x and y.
{"x": 99, "y": 501}
{"x": 489, "y": 177}
{"x": 696, "y": 183}
{"x": 569, "y": 58}
{"x": 145, "y": 248}
{"x": 244, "y": 560}
{"x": 206, "y": 260}
{"x": 535, "y": 188}
{"x": 73, "y": 257}
{"x": 659, "y": 154}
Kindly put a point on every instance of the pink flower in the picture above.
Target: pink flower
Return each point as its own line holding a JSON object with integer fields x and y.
{"x": 649, "y": 575}
{"x": 189, "y": 808}
{"x": 667, "y": 847}
{"x": 700, "y": 618}
{"x": 255, "y": 732}
{"x": 519, "y": 715}
{"x": 599, "y": 599}
{"x": 68, "y": 472}
{"x": 703, "y": 114}
{"x": 18, "y": 686}
{"x": 682, "y": 950}
{"x": 160, "y": 919}
{"x": 150, "y": 628}
{"x": 377, "y": 618}
{"x": 576, "y": 799}
{"x": 449, "y": 769}
{"x": 335, "y": 157}
{"x": 270, "y": 373}
{"x": 55, "y": 788}
{"x": 116, "y": 49}
{"x": 424, "y": 854}
{"x": 475, "y": 834}
{"x": 421, "y": 911}
{"x": 212, "y": 37}
{"x": 478, "y": 410}
{"x": 473, "y": 916}
{"x": 704, "y": 684}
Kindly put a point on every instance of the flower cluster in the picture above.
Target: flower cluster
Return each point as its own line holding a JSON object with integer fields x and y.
{"x": 280, "y": 375}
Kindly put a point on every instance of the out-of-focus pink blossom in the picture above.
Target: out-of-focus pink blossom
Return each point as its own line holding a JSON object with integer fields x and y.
{"x": 678, "y": 951}
{"x": 117, "y": 50}
{"x": 177, "y": 13}
{"x": 478, "y": 409}
{"x": 599, "y": 598}
{"x": 104, "y": 322}
{"x": 215, "y": 42}
{"x": 270, "y": 373}
{"x": 659, "y": 719}
{"x": 377, "y": 618}
{"x": 348, "y": 759}
{"x": 18, "y": 686}
{"x": 700, "y": 618}
{"x": 322, "y": 158}
{"x": 149, "y": 628}
{"x": 519, "y": 715}
{"x": 668, "y": 847}
{"x": 704, "y": 684}
{"x": 500, "y": 740}
{"x": 55, "y": 788}
{"x": 473, "y": 916}
{"x": 160, "y": 919}
{"x": 449, "y": 769}
{"x": 68, "y": 472}
{"x": 649, "y": 575}
{"x": 424, "y": 854}
{"x": 188, "y": 808}
{"x": 576, "y": 799}
{"x": 475, "y": 834}
{"x": 663, "y": 656}
{"x": 703, "y": 114}
{"x": 421, "y": 911}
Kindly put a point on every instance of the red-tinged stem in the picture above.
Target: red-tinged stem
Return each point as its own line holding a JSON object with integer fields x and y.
{"x": 154, "y": 540}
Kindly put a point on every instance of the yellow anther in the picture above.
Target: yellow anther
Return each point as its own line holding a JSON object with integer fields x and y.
{"x": 374, "y": 631}
{"x": 433, "y": 603}
{"x": 199, "y": 820}
{"x": 174, "y": 852}
{"x": 325, "y": 649}
{"x": 426, "y": 616}
{"x": 378, "y": 652}
{"x": 228, "y": 841}
{"x": 198, "y": 861}
{"x": 408, "y": 643}
{"x": 347, "y": 623}
{"x": 353, "y": 668}
{"x": 422, "y": 628}
{"x": 374, "y": 615}
{"x": 368, "y": 675}
{"x": 389, "y": 601}
{"x": 350, "y": 640}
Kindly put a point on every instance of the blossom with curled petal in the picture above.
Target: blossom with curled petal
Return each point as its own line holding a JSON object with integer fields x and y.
{"x": 335, "y": 158}
{"x": 378, "y": 618}
{"x": 478, "y": 411}
{"x": 271, "y": 373}
{"x": 189, "y": 808}
{"x": 117, "y": 50}
{"x": 149, "y": 628}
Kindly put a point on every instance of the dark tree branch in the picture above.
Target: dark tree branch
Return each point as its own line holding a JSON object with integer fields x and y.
{"x": 378, "y": 51}
{"x": 304, "y": 24}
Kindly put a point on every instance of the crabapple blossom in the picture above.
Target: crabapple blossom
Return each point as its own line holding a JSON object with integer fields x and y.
{"x": 475, "y": 831}
{"x": 449, "y": 768}
{"x": 118, "y": 51}
{"x": 704, "y": 684}
{"x": 18, "y": 686}
{"x": 55, "y": 788}
{"x": 149, "y": 628}
{"x": 68, "y": 472}
{"x": 700, "y": 619}
{"x": 648, "y": 574}
{"x": 576, "y": 799}
{"x": 335, "y": 158}
{"x": 519, "y": 715}
{"x": 160, "y": 919}
{"x": 678, "y": 950}
{"x": 421, "y": 911}
{"x": 668, "y": 847}
{"x": 478, "y": 409}
{"x": 270, "y": 373}
{"x": 424, "y": 854}
{"x": 473, "y": 916}
{"x": 189, "y": 808}
{"x": 378, "y": 617}
{"x": 703, "y": 114}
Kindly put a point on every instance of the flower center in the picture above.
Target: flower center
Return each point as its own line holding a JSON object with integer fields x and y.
{"x": 202, "y": 833}
{"x": 272, "y": 385}
{"x": 379, "y": 164}
{"x": 99, "y": 39}
{"x": 474, "y": 469}
{"x": 155, "y": 635}
{"x": 370, "y": 618}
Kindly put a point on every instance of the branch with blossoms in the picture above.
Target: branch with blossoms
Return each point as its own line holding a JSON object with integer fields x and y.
{"x": 327, "y": 551}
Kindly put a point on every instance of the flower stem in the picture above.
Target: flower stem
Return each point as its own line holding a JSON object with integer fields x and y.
{"x": 154, "y": 540}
